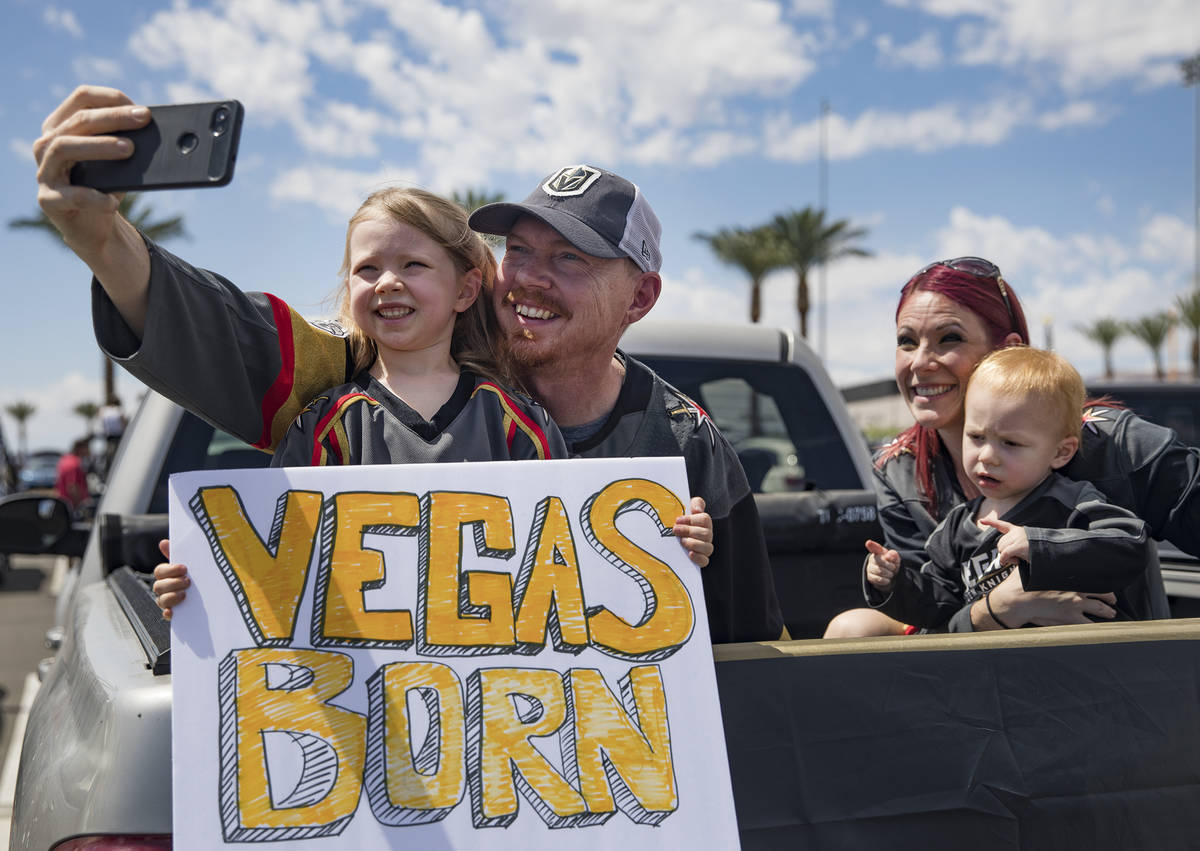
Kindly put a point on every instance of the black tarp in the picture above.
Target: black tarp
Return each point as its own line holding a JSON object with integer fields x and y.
{"x": 1053, "y": 738}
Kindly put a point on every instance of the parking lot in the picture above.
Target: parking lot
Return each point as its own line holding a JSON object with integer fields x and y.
{"x": 26, "y": 611}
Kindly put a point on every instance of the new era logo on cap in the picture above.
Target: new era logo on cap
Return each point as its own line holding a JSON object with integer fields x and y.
{"x": 598, "y": 212}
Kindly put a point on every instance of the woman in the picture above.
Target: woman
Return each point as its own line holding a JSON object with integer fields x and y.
{"x": 951, "y": 314}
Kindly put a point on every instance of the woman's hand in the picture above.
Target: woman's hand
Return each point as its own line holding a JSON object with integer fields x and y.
{"x": 882, "y": 566}
{"x": 695, "y": 532}
{"x": 1013, "y": 606}
{"x": 170, "y": 582}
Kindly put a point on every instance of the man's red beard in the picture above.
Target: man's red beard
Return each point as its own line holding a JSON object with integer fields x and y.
{"x": 520, "y": 346}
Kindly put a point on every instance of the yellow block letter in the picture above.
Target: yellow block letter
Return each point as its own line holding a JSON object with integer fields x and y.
{"x": 347, "y": 570}
{"x": 266, "y": 579}
{"x": 622, "y": 749}
{"x": 667, "y": 622}
{"x": 277, "y": 698}
{"x": 420, "y": 785}
{"x": 506, "y": 707}
{"x": 549, "y": 580}
{"x": 473, "y": 613}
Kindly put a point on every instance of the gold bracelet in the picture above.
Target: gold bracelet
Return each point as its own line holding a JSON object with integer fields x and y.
{"x": 987, "y": 601}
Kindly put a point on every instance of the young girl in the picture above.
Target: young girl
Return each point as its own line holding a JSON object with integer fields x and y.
{"x": 418, "y": 321}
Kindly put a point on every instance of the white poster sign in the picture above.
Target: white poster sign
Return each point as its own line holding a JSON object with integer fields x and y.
{"x": 489, "y": 655}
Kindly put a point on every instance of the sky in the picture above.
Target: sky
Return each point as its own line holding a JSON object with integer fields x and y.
{"x": 1054, "y": 137}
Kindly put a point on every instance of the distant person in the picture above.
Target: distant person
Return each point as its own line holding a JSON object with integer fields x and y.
{"x": 112, "y": 425}
{"x": 950, "y": 315}
{"x": 581, "y": 264}
{"x": 70, "y": 480}
{"x": 1021, "y": 425}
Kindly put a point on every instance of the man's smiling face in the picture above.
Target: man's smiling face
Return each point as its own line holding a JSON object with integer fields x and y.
{"x": 555, "y": 303}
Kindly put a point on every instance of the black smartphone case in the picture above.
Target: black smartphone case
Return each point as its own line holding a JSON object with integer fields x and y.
{"x": 184, "y": 146}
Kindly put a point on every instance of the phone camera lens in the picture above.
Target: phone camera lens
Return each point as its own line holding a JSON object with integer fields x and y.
{"x": 220, "y": 120}
{"x": 188, "y": 142}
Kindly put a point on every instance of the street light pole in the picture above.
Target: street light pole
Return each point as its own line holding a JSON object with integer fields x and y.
{"x": 1191, "y": 77}
{"x": 822, "y": 203}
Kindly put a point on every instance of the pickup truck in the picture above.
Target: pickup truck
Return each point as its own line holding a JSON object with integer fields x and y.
{"x": 1060, "y": 737}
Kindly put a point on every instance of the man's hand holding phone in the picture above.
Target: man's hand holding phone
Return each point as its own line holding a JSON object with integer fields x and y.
{"x": 82, "y": 128}
{"x": 93, "y": 127}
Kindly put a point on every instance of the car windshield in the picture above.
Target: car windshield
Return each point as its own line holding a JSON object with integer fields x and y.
{"x": 774, "y": 417}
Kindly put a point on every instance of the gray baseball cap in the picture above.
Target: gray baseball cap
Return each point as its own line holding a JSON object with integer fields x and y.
{"x": 598, "y": 212}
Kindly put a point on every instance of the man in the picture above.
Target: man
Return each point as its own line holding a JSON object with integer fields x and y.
{"x": 581, "y": 263}
{"x": 70, "y": 480}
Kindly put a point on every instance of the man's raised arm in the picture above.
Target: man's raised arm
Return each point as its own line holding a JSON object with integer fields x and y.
{"x": 80, "y": 129}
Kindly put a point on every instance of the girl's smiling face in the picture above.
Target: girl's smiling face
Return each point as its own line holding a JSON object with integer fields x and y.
{"x": 938, "y": 344}
{"x": 404, "y": 288}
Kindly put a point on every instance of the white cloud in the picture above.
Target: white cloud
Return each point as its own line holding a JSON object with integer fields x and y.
{"x": 924, "y": 130}
{"x": 1085, "y": 44}
{"x": 54, "y": 423}
{"x": 96, "y": 69}
{"x": 1075, "y": 278}
{"x": 813, "y": 8}
{"x": 693, "y": 296}
{"x": 1072, "y": 114}
{"x": 344, "y": 130}
{"x": 544, "y": 81}
{"x": 62, "y": 19}
{"x": 1168, "y": 240}
{"x": 337, "y": 191}
{"x": 924, "y": 53}
{"x": 227, "y": 56}
{"x": 1064, "y": 279}
{"x": 22, "y": 149}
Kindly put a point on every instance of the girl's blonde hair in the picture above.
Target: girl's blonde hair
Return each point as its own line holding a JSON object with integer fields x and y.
{"x": 445, "y": 223}
{"x": 1037, "y": 374}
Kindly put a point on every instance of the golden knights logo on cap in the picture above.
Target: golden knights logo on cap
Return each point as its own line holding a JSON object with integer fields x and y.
{"x": 571, "y": 180}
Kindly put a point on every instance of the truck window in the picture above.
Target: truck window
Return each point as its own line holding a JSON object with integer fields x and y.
{"x": 199, "y": 446}
{"x": 773, "y": 416}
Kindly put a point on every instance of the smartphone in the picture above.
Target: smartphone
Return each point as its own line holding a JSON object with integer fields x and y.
{"x": 185, "y": 145}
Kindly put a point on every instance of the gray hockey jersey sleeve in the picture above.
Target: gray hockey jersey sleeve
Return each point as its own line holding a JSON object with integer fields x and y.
{"x": 1145, "y": 468}
{"x": 1099, "y": 548}
{"x": 246, "y": 362}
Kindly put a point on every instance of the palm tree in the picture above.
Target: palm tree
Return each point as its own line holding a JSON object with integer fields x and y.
{"x": 471, "y": 200}
{"x": 1152, "y": 330}
{"x": 141, "y": 216}
{"x": 1105, "y": 332}
{"x": 807, "y": 240}
{"x": 756, "y": 251}
{"x": 87, "y": 410}
{"x": 21, "y": 411}
{"x": 1189, "y": 314}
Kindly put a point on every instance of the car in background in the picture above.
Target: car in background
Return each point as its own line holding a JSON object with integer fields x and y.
{"x": 1174, "y": 404}
{"x": 39, "y": 471}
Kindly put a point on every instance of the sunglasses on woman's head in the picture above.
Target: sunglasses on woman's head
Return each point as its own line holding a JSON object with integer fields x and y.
{"x": 980, "y": 268}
